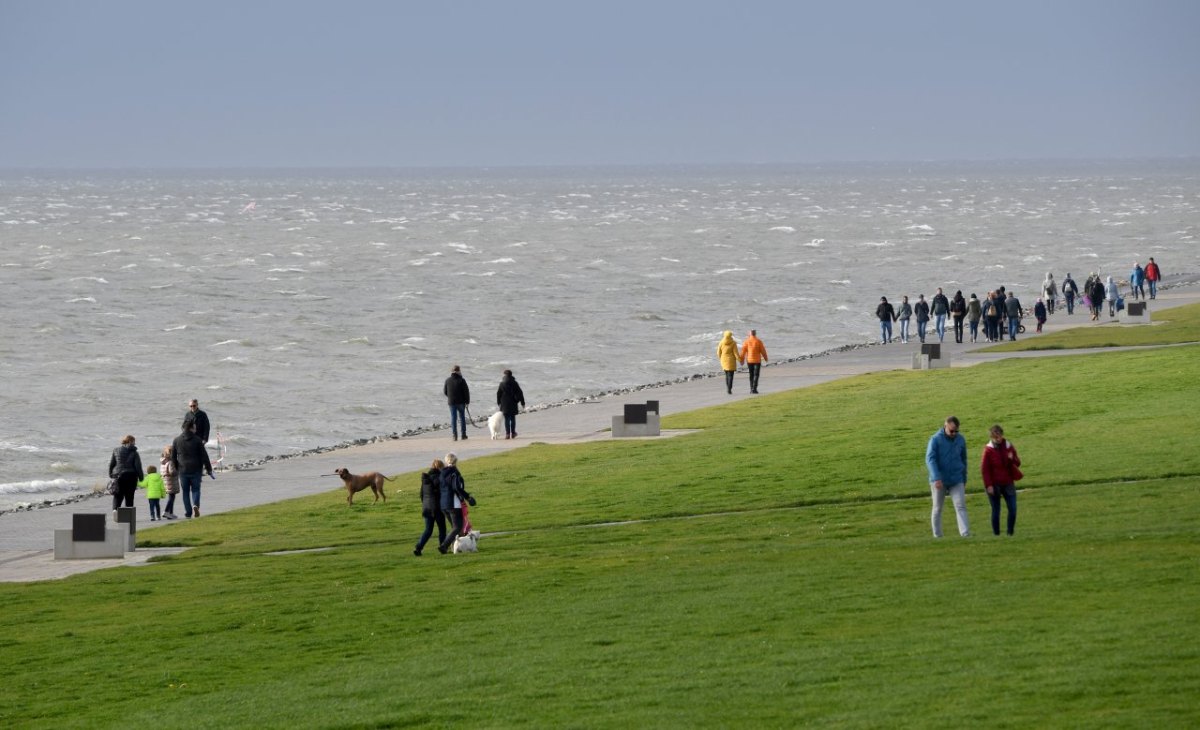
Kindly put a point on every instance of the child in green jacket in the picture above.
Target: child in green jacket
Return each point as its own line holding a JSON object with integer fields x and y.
{"x": 155, "y": 489}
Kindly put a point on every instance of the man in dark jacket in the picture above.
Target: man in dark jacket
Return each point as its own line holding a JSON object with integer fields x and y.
{"x": 458, "y": 395}
{"x": 1012, "y": 308}
{"x": 887, "y": 314}
{"x": 508, "y": 396}
{"x": 198, "y": 417}
{"x": 190, "y": 459}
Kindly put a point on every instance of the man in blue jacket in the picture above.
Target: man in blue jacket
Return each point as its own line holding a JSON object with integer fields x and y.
{"x": 946, "y": 457}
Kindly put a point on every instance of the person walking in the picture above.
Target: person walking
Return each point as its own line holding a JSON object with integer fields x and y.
{"x": 453, "y": 497}
{"x": 1070, "y": 291}
{"x": 510, "y": 399}
{"x": 946, "y": 458}
{"x": 198, "y": 417}
{"x": 904, "y": 316}
{"x": 974, "y": 313}
{"x": 1111, "y": 295}
{"x": 1137, "y": 282}
{"x": 1039, "y": 313}
{"x": 170, "y": 482}
{"x": 1050, "y": 291}
{"x": 940, "y": 309}
{"x": 1012, "y": 307}
{"x": 991, "y": 317}
{"x": 458, "y": 396}
{"x": 727, "y": 354}
{"x": 125, "y": 466}
{"x": 887, "y": 314}
{"x": 1001, "y": 471}
{"x": 155, "y": 489}
{"x": 754, "y": 354}
{"x": 958, "y": 312}
{"x": 431, "y": 506}
{"x": 190, "y": 461}
{"x": 921, "y": 311}
{"x": 1153, "y": 276}
{"x": 1095, "y": 296}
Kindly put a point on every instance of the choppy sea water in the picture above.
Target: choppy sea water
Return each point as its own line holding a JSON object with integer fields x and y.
{"x": 310, "y": 308}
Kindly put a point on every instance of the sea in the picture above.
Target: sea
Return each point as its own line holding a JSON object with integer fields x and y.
{"x": 308, "y": 309}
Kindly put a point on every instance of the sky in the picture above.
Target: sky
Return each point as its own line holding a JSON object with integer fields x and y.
{"x": 353, "y": 83}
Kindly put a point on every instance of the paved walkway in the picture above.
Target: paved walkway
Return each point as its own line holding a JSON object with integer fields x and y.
{"x": 27, "y": 538}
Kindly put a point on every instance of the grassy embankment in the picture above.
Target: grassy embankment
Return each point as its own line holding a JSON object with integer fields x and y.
{"x": 781, "y": 573}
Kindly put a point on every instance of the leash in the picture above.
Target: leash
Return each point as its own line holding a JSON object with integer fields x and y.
{"x": 470, "y": 418}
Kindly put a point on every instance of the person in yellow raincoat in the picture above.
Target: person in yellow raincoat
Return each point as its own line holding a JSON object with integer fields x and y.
{"x": 727, "y": 353}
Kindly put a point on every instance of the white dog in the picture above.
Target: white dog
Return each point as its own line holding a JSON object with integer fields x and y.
{"x": 467, "y": 543}
{"x": 495, "y": 423}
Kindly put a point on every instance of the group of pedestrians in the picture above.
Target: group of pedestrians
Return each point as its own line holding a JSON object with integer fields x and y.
{"x": 444, "y": 499}
{"x": 1000, "y": 313}
{"x": 946, "y": 459}
{"x": 180, "y": 469}
{"x": 752, "y": 354}
{"x": 510, "y": 399}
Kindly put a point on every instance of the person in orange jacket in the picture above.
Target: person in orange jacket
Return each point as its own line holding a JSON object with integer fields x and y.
{"x": 753, "y": 355}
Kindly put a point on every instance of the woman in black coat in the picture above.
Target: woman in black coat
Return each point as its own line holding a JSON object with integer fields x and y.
{"x": 508, "y": 395}
{"x": 431, "y": 505}
{"x": 126, "y": 467}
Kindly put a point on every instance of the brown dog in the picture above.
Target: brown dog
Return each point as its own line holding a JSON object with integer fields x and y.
{"x": 358, "y": 482}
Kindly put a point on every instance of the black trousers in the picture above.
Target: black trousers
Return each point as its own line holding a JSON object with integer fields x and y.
{"x": 753, "y": 368}
{"x": 456, "y": 523}
{"x": 126, "y": 486}
{"x": 729, "y": 380}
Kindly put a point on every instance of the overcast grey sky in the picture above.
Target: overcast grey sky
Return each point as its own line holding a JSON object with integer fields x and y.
{"x": 156, "y": 83}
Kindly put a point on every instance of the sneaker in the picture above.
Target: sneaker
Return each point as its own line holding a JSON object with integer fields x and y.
{"x": 464, "y": 437}
{"x": 417, "y": 552}
{"x": 196, "y": 512}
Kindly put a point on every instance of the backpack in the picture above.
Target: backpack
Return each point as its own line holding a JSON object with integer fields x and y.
{"x": 992, "y": 311}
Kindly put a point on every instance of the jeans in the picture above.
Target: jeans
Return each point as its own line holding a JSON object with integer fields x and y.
{"x": 728, "y": 381}
{"x": 921, "y": 325}
{"x": 155, "y": 510}
{"x": 885, "y": 330}
{"x": 189, "y": 487}
{"x": 1070, "y": 304}
{"x": 974, "y": 329}
{"x": 904, "y": 330}
{"x": 458, "y": 414}
{"x": 171, "y": 503}
{"x": 1009, "y": 492}
{"x": 958, "y": 329}
{"x": 1153, "y": 288}
{"x": 958, "y": 495}
{"x": 753, "y": 368}
{"x": 437, "y": 518}
{"x": 510, "y": 424}
{"x": 939, "y": 324}
{"x": 1013, "y": 324}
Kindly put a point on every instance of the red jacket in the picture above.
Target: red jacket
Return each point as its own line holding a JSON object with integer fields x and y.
{"x": 1152, "y": 272}
{"x": 1000, "y": 464}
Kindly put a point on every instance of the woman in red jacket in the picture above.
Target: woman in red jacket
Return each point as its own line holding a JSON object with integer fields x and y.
{"x": 1001, "y": 470}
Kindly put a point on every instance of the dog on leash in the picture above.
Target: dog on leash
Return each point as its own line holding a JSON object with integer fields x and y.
{"x": 495, "y": 423}
{"x": 468, "y": 543}
{"x": 358, "y": 482}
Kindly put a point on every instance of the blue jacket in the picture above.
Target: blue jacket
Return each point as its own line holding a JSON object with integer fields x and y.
{"x": 947, "y": 459}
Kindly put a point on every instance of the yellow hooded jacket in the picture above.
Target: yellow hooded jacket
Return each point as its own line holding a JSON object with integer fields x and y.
{"x": 727, "y": 352}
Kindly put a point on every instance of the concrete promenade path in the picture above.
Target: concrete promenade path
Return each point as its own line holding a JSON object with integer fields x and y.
{"x": 27, "y": 538}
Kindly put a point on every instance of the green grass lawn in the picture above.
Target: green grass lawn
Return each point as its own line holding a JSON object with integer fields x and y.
{"x": 778, "y": 571}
